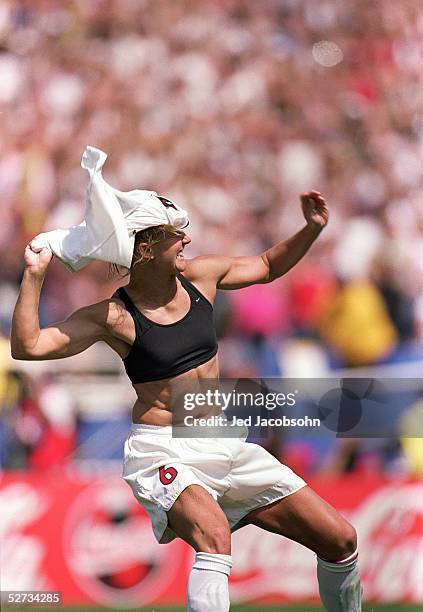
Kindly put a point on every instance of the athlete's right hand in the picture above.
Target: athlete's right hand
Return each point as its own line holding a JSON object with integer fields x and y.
{"x": 37, "y": 259}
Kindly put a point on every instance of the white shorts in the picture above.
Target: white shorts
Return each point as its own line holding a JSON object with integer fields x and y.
{"x": 239, "y": 475}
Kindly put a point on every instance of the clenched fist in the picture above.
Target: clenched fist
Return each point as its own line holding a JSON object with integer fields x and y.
{"x": 315, "y": 209}
{"x": 37, "y": 259}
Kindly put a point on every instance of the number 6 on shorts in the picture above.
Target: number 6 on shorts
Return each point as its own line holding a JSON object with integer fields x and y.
{"x": 167, "y": 475}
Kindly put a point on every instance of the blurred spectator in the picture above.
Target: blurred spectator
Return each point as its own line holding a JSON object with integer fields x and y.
{"x": 231, "y": 108}
{"x": 411, "y": 437}
{"x": 357, "y": 325}
{"x": 58, "y": 441}
{"x": 22, "y": 423}
{"x": 36, "y": 426}
{"x": 365, "y": 456}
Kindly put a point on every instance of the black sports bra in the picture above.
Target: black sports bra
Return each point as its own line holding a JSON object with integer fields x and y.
{"x": 162, "y": 351}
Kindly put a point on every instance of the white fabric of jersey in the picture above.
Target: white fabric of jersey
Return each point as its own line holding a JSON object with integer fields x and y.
{"x": 112, "y": 218}
{"x": 240, "y": 476}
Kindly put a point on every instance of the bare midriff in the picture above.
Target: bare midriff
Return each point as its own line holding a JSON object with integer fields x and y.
{"x": 156, "y": 398}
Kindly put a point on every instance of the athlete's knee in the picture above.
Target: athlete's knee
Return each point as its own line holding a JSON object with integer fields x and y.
{"x": 344, "y": 542}
{"x": 348, "y": 540}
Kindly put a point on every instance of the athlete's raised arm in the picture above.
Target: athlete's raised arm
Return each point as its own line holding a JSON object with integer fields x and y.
{"x": 238, "y": 272}
{"x": 77, "y": 333}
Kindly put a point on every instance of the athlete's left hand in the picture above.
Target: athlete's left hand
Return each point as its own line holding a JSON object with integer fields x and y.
{"x": 315, "y": 209}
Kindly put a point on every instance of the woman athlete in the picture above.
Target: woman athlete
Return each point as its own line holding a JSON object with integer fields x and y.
{"x": 200, "y": 490}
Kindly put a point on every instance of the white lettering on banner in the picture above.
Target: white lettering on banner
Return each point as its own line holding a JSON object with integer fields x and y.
{"x": 389, "y": 524}
{"x": 21, "y": 563}
{"x": 107, "y": 548}
{"x": 21, "y": 555}
{"x": 392, "y": 581}
{"x": 416, "y": 573}
{"x": 266, "y": 564}
{"x": 20, "y": 505}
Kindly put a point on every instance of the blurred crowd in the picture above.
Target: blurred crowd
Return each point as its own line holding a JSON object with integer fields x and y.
{"x": 231, "y": 108}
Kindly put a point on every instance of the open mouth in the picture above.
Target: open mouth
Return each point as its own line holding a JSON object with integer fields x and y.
{"x": 180, "y": 255}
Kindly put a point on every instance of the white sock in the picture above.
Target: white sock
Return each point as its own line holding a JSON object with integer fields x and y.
{"x": 339, "y": 585}
{"x": 208, "y": 589}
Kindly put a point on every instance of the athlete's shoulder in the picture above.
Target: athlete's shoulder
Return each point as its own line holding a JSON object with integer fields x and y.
{"x": 108, "y": 312}
{"x": 115, "y": 311}
{"x": 207, "y": 267}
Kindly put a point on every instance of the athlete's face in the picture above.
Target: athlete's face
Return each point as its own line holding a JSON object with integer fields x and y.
{"x": 171, "y": 250}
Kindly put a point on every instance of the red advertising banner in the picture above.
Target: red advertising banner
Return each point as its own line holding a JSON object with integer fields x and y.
{"x": 88, "y": 538}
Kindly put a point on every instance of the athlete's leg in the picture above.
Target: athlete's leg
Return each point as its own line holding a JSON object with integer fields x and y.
{"x": 308, "y": 519}
{"x": 198, "y": 519}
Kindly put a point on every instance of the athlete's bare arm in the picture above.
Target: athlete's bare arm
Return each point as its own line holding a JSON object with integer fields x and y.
{"x": 101, "y": 321}
{"x": 79, "y": 331}
{"x": 214, "y": 271}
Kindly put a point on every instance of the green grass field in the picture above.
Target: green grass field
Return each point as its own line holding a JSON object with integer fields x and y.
{"x": 366, "y": 608}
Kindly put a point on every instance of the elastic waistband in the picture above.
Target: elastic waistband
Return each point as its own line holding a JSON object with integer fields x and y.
{"x": 166, "y": 430}
{"x": 170, "y": 431}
